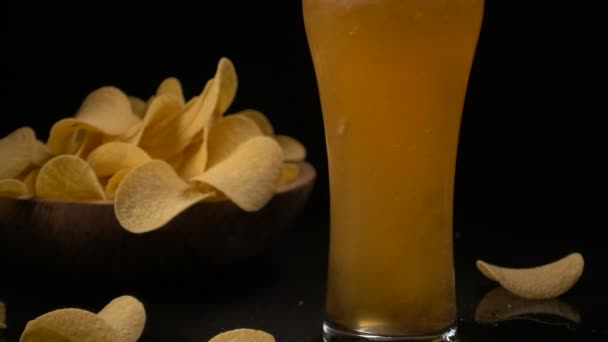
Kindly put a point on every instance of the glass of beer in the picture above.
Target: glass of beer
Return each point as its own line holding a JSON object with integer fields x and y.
{"x": 392, "y": 78}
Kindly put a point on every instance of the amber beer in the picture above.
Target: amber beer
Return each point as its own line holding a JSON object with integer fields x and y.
{"x": 392, "y": 78}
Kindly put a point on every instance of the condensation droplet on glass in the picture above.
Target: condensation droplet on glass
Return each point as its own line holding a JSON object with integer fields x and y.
{"x": 343, "y": 126}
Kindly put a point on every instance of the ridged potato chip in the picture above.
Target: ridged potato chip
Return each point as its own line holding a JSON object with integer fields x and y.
{"x": 176, "y": 161}
{"x": 289, "y": 173}
{"x": 218, "y": 142}
{"x": 138, "y": 106}
{"x": 160, "y": 109}
{"x": 260, "y": 119}
{"x": 243, "y": 335}
{"x": 90, "y": 141}
{"x": 105, "y": 111}
{"x": 114, "y": 182}
{"x": 122, "y": 320}
{"x": 13, "y": 188}
{"x": 541, "y": 282}
{"x": 227, "y": 135}
{"x": 67, "y": 135}
{"x": 19, "y": 151}
{"x": 69, "y": 325}
{"x": 228, "y": 84}
{"x": 173, "y": 87}
{"x": 250, "y": 175}
{"x": 30, "y": 180}
{"x": 206, "y": 108}
{"x": 194, "y": 160}
{"x": 293, "y": 150}
{"x": 195, "y": 155}
{"x": 111, "y": 157}
{"x": 40, "y": 153}
{"x": 68, "y": 177}
{"x": 108, "y": 109}
{"x": 165, "y": 138}
{"x": 132, "y": 135}
{"x": 127, "y": 316}
{"x": 151, "y": 195}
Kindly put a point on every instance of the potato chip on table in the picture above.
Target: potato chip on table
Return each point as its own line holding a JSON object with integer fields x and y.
{"x": 243, "y": 335}
{"x": 121, "y": 320}
{"x": 541, "y": 282}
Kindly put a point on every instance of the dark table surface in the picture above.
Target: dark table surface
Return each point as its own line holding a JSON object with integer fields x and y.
{"x": 281, "y": 290}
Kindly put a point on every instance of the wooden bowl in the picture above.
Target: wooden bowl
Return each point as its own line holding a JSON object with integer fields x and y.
{"x": 84, "y": 238}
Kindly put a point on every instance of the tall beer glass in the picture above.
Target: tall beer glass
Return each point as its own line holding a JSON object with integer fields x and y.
{"x": 392, "y": 78}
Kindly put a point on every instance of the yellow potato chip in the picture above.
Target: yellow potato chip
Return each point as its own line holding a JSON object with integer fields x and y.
{"x": 293, "y": 150}
{"x": 195, "y": 154}
{"x": 541, "y": 282}
{"x": 202, "y": 112}
{"x": 501, "y": 305}
{"x": 16, "y": 152}
{"x": 176, "y": 160}
{"x": 108, "y": 158}
{"x": 105, "y": 111}
{"x": 69, "y": 325}
{"x": 40, "y": 333}
{"x": 243, "y": 335}
{"x": 173, "y": 134}
{"x": 115, "y": 181}
{"x": 158, "y": 109}
{"x": 260, "y": 119}
{"x": 127, "y": 316}
{"x": 40, "y": 153}
{"x": 138, "y": 106}
{"x": 68, "y": 177}
{"x": 194, "y": 160}
{"x": 2, "y": 316}
{"x": 66, "y": 136}
{"x": 250, "y": 175}
{"x": 211, "y": 97}
{"x": 13, "y": 188}
{"x": 70, "y": 136}
{"x": 228, "y": 134}
{"x": 162, "y": 108}
{"x": 152, "y": 195}
{"x": 171, "y": 86}
{"x": 108, "y": 109}
{"x": 165, "y": 138}
{"x": 121, "y": 320}
{"x": 30, "y": 180}
{"x": 226, "y": 78}
{"x": 90, "y": 142}
{"x": 289, "y": 173}
{"x": 131, "y": 135}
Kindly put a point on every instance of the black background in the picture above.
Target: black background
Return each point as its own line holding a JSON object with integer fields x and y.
{"x": 533, "y": 130}
{"x": 531, "y": 167}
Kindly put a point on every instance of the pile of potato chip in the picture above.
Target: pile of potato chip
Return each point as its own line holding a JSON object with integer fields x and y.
{"x": 154, "y": 158}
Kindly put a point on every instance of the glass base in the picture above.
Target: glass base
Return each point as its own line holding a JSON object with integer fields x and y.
{"x": 335, "y": 333}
